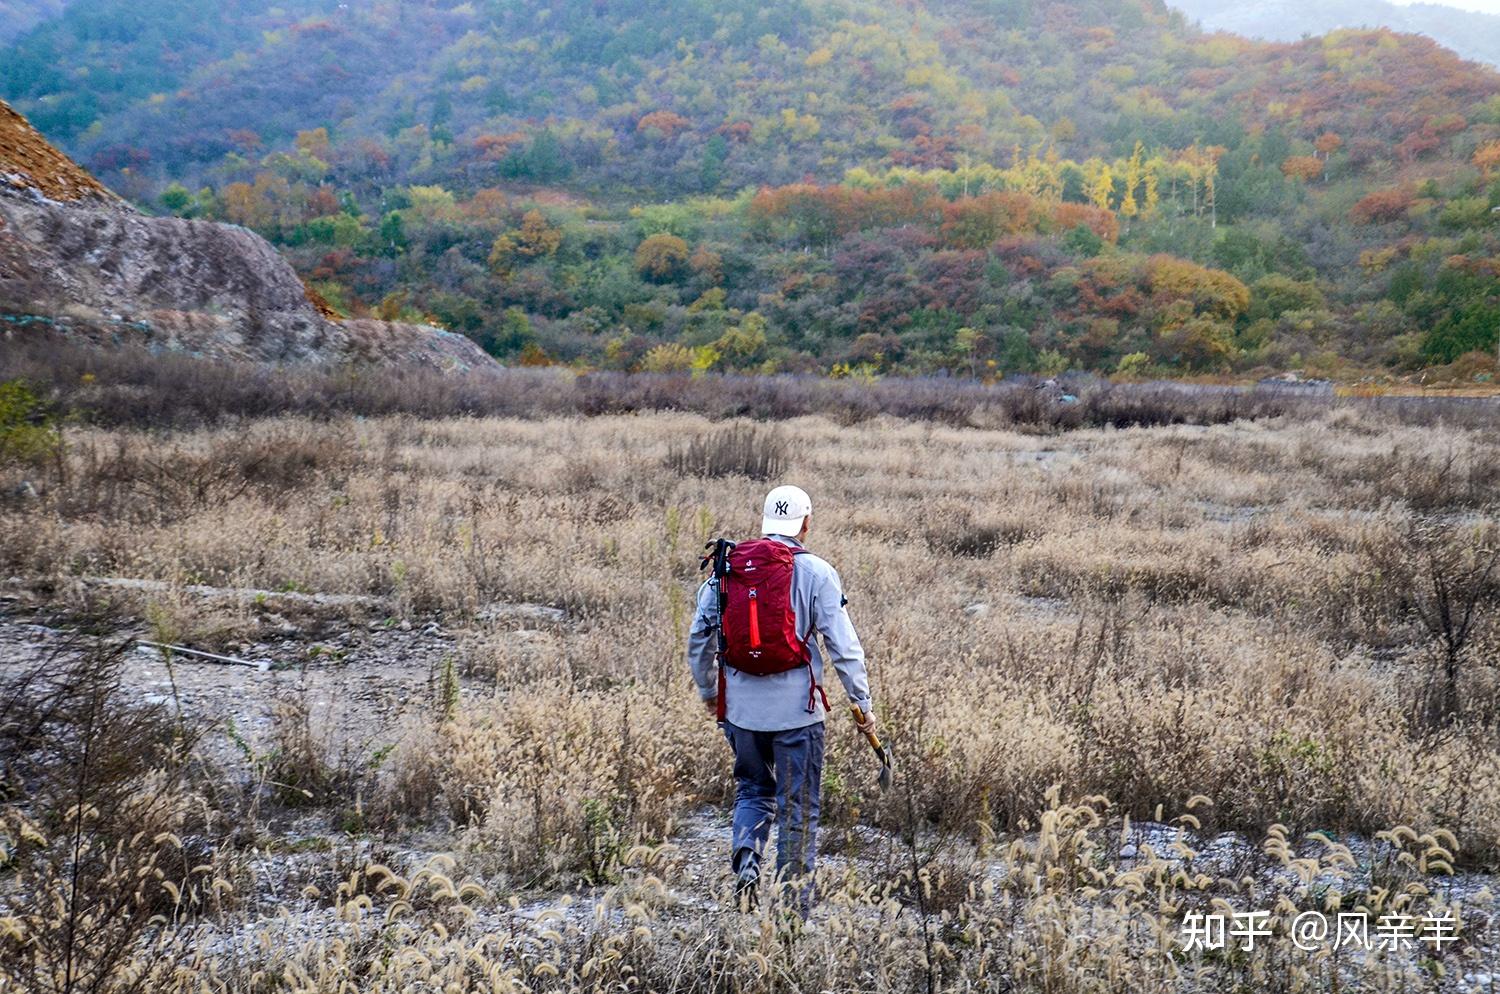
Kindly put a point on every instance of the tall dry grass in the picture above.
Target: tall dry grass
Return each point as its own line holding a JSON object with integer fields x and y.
{"x": 1153, "y": 616}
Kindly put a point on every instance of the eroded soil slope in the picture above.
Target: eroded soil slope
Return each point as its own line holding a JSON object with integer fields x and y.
{"x": 78, "y": 262}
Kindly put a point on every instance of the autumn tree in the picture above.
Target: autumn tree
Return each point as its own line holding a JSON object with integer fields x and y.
{"x": 315, "y": 143}
{"x": 668, "y": 358}
{"x": 1210, "y": 291}
{"x": 1487, "y": 157}
{"x": 1382, "y": 206}
{"x": 664, "y": 124}
{"x": 536, "y": 238}
{"x": 708, "y": 265}
{"x": 1134, "y": 176}
{"x": 746, "y": 341}
{"x": 1327, "y": 144}
{"x": 976, "y": 222}
{"x": 1201, "y": 166}
{"x": 497, "y": 148}
{"x": 260, "y": 205}
{"x": 1202, "y": 343}
{"x": 1305, "y": 168}
{"x": 1100, "y": 184}
{"x": 1066, "y": 217}
{"x": 1151, "y": 186}
{"x": 486, "y": 207}
{"x": 431, "y": 205}
{"x": 661, "y": 257}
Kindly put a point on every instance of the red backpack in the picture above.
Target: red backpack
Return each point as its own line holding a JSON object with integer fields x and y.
{"x": 759, "y": 623}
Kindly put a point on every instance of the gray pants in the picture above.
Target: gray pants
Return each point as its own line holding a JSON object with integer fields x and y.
{"x": 778, "y": 777}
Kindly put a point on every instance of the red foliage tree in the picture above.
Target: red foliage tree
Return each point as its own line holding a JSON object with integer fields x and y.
{"x": 1302, "y": 167}
{"x": 1382, "y": 206}
{"x": 1067, "y": 216}
{"x": 663, "y": 122}
{"x": 494, "y": 148}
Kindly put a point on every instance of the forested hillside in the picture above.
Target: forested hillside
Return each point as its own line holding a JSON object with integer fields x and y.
{"x": 833, "y": 185}
{"x": 1472, "y": 34}
{"x": 19, "y": 16}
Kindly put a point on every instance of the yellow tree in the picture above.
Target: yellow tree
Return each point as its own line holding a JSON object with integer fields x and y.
{"x": 1151, "y": 193}
{"x": 1099, "y": 183}
{"x": 1038, "y": 178}
{"x": 1133, "y": 177}
{"x": 1050, "y": 183}
{"x": 1487, "y": 157}
{"x": 315, "y": 143}
{"x": 1211, "y": 182}
{"x": 1202, "y": 165}
{"x": 537, "y": 237}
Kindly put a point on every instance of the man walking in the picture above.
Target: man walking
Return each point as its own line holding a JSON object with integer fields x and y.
{"x": 759, "y": 670}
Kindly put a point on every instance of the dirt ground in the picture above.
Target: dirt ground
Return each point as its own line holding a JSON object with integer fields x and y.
{"x": 363, "y": 674}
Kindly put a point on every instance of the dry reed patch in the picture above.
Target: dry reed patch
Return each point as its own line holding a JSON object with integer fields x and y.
{"x": 1124, "y": 528}
{"x": 1062, "y": 915}
{"x": 1259, "y": 659}
{"x": 552, "y": 781}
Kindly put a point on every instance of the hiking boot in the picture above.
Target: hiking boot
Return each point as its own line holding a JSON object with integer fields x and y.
{"x": 745, "y": 884}
{"x": 746, "y": 879}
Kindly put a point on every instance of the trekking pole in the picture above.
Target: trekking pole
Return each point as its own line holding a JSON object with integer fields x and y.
{"x": 719, "y": 557}
{"x": 886, "y": 772}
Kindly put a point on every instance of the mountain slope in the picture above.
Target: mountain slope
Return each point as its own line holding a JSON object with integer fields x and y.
{"x": 1471, "y": 34}
{"x": 19, "y": 16}
{"x": 684, "y": 96}
{"x": 74, "y": 260}
{"x": 982, "y": 184}
{"x": 29, "y": 162}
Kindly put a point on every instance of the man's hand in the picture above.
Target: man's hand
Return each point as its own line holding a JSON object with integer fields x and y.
{"x": 711, "y": 705}
{"x": 866, "y": 723}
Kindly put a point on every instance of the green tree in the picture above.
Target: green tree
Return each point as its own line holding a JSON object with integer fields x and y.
{"x": 392, "y": 234}
{"x": 745, "y": 342}
{"x": 711, "y": 165}
{"x": 176, "y": 198}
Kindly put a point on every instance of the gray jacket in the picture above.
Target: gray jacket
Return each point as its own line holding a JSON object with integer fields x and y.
{"x": 779, "y": 702}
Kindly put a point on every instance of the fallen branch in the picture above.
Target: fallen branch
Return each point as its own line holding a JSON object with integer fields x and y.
{"x": 498, "y": 611}
{"x": 239, "y": 593}
{"x": 164, "y": 647}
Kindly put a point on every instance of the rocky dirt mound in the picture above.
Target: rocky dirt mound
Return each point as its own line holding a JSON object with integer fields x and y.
{"x": 29, "y": 161}
{"x": 198, "y": 287}
{"x": 78, "y": 262}
{"x": 413, "y": 344}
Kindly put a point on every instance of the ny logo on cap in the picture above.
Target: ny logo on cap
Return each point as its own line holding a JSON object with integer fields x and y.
{"x": 781, "y": 509}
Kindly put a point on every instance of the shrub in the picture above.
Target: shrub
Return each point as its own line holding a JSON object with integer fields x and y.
{"x": 28, "y": 432}
{"x": 1134, "y": 364}
{"x": 134, "y": 387}
{"x": 556, "y": 782}
{"x": 99, "y": 803}
{"x": 1444, "y": 578}
{"x": 738, "y": 451}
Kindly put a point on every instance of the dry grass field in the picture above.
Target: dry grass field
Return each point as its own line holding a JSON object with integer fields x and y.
{"x": 1128, "y": 674}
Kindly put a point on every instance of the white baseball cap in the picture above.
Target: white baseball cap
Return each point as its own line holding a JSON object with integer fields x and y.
{"x": 785, "y": 510}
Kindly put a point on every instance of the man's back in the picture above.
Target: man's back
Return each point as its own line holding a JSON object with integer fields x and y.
{"x": 781, "y": 700}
